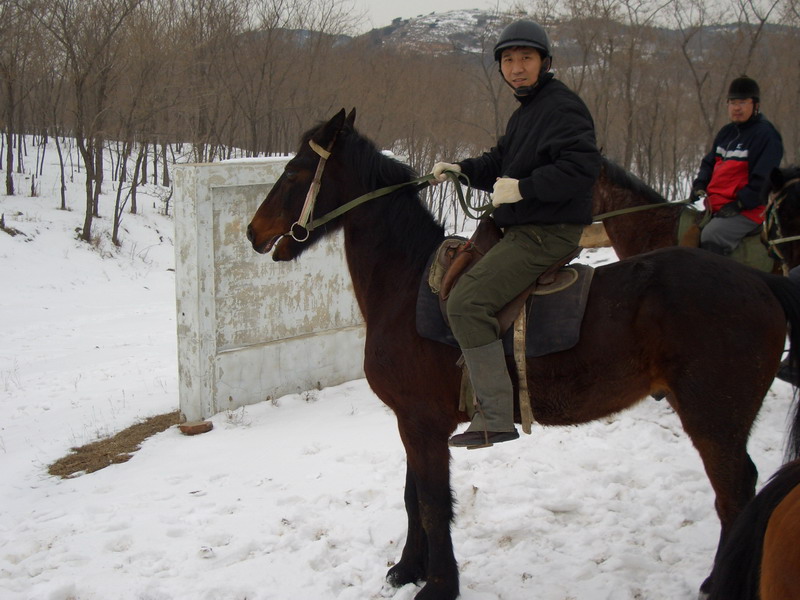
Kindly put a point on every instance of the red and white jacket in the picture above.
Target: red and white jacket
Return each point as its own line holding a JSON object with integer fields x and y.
{"x": 737, "y": 167}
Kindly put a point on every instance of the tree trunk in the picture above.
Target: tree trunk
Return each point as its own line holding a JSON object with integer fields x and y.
{"x": 165, "y": 180}
{"x": 140, "y": 160}
{"x": 99, "y": 144}
{"x": 63, "y": 174}
{"x": 9, "y": 138}
{"x": 87, "y": 153}
{"x": 119, "y": 205}
{"x": 9, "y": 161}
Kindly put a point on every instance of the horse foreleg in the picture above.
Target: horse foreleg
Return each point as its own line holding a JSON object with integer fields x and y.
{"x": 428, "y": 553}
{"x": 413, "y": 561}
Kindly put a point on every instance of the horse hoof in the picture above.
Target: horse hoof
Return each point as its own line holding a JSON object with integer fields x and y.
{"x": 432, "y": 591}
{"x": 399, "y": 575}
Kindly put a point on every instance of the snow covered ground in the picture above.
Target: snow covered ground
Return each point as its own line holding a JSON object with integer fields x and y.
{"x": 300, "y": 498}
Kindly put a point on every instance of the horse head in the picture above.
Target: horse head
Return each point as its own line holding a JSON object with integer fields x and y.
{"x": 281, "y": 222}
{"x": 782, "y": 224}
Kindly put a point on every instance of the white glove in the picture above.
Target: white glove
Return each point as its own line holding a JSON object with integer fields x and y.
{"x": 506, "y": 191}
{"x": 439, "y": 171}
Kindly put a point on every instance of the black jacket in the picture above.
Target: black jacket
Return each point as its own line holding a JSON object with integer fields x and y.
{"x": 549, "y": 145}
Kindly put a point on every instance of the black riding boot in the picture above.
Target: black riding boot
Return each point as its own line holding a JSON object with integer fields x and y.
{"x": 494, "y": 420}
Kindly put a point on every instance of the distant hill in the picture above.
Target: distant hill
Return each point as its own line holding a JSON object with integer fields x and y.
{"x": 474, "y": 30}
{"x": 451, "y": 31}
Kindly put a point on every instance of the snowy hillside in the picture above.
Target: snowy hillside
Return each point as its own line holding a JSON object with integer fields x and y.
{"x": 299, "y": 498}
{"x": 459, "y": 30}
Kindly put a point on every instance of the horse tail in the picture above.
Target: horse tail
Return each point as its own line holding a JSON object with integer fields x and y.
{"x": 788, "y": 294}
{"x": 737, "y": 568}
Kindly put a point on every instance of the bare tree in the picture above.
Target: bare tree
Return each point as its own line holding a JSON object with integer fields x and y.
{"x": 86, "y": 32}
{"x": 14, "y": 52}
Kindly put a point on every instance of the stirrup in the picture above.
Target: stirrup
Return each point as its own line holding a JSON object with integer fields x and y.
{"x": 472, "y": 440}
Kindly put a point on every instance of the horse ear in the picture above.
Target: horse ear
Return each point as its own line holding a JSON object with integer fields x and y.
{"x": 327, "y": 133}
{"x": 351, "y": 118}
{"x": 776, "y": 179}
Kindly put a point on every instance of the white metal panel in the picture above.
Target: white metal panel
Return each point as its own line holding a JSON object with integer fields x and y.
{"x": 249, "y": 328}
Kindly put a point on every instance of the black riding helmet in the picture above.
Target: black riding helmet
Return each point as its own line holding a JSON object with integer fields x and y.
{"x": 743, "y": 88}
{"x": 523, "y": 33}
{"x": 528, "y": 34}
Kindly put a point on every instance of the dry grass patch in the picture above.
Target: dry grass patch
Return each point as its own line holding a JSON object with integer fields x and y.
{"x": 114, "y": 450}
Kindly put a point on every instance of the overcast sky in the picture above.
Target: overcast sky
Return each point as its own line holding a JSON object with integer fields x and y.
{"x": 381, "y": 12}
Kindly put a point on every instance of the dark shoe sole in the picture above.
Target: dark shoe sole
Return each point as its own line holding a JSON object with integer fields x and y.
{"x": 480, "y": 439}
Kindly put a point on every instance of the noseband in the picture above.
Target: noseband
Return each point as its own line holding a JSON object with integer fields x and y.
{"x": 311, "y": 196}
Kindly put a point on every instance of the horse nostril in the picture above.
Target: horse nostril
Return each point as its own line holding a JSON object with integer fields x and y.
{"x": 250, "y": 232}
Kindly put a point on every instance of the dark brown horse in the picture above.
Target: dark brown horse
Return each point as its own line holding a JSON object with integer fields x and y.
{"x": 662, "y": 225}
{"x": 635, "y": 232}
{"x": 703, "y": 328}
{"x": 760, "y": 560}
{"x": 783, "y": 214}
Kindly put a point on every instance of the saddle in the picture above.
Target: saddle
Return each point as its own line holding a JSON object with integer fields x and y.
{"x": 456, "y": 256}
{"x": 559, "y": 316}
{"x": 751, "y": 251}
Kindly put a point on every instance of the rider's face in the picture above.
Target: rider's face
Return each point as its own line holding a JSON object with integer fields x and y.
{"x": 740, "y": 111}
{"x": 521, "y": 66}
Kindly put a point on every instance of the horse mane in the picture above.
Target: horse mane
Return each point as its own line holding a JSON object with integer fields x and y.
{"x": 621, "y": 178}
{"x": 788, "y": 173}
{"x": 375, "y": 168}
{"x": 737, "y": 568}
{"x": 791, "y": 172}
{"x": 406, "y": 217}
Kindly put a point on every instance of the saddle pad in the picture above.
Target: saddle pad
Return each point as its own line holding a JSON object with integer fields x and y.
{"x": 554, "y": 320}
{"x": 751, "y": 251}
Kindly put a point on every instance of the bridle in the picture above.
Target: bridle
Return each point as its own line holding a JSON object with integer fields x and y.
{"x": 305, "y": 224}
{"x": 772, "y": 223}
{"x": 313, "y": 191}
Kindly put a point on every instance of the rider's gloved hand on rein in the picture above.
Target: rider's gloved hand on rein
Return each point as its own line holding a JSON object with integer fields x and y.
{"x": 697, "y": 194}
{"x": 506, "y": 191}
{"x": 731, "y": 209}
{"x": 439, "y": 169}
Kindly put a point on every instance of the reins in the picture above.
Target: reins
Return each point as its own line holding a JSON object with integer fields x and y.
{"x": 465, "y": 200}
{"x": 633, "y": 209}
{"x": 307, "y": 227}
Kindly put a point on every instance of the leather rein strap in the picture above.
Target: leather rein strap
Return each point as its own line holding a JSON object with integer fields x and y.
{"x": 474, "y": 212}
{"x": 305, "y": 227}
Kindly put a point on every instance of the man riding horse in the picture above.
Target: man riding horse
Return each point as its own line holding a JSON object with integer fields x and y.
{"x": 541, "y": 174}
{"x": 733, "y": 173}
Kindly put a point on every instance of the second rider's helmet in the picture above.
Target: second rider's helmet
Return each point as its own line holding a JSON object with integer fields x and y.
{"x": 742, "y": 88}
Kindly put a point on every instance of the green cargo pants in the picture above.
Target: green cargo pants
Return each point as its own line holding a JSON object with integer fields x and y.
{"x": 523, "y": 254}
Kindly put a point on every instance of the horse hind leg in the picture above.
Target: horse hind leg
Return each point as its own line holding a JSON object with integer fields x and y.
{"x": 733, "y": 492}
{"x": 722, "y": 445}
